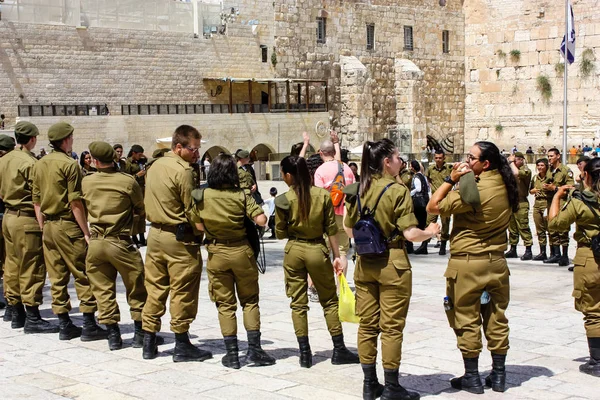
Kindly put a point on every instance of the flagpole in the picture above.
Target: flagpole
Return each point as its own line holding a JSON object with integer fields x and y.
{"x": 566, "y": 74}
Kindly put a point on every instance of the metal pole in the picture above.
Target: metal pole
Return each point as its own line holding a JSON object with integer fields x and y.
{"x": 566, "y": 74}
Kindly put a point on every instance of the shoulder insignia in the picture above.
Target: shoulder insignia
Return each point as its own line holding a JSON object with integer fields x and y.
{"x": 570, "y": 173}
{"x": 198, "y": 195}
{"x": 282, "y": 202}
{"x": 351, "y": 190}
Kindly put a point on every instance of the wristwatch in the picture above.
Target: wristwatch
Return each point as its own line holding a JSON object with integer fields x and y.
{"x": 449, "y": 180}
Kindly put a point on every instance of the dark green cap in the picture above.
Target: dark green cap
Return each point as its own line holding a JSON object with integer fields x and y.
{"x": 7, "y": 143}
{"x": 26, "y": 129}
{"x": 160, "y": 152}
{"x": 102, "y": 152}
{"x": 519, "y": 154}
{"x": 242, "y": 154}
{"x": 59, "y": 131}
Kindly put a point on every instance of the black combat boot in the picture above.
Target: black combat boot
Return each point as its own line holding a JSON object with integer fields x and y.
{"x": 470, "y": 381}
{"x": 256, "y": 355}
{"x": 35, "y": 324}
{"x": 371, "y": 386}
{"x": 341, "y": 355}
{"x": 555, "y": 256}
{"x": 422, "y": 248}
{"x": 512, "y": 253}
{"x": 528, "y": 255}
{"x": 135, "y": 241}
{"x": 67, "y": 330}
{"x": 114, "y": 337}
{"x": 393, "y": 390}
{"x": 592, "y": 367}
{"x": 186, "y": 351}
{"x": 18, "y": 316}
{"x": 564, "y": 260}
{"x": 497, "y": 378}
{"x": 8, "y": 313}
{"x": 138, "y": 336}
{"x": 438, "y": 244}
{"x": 142, "y": 240}
{"x": 150, "y": 350}
{"x": 305, "y": 352}
{"x": 442, "y": 248}
{"x": 542, "y": 256}
{"x": 91, "y": 331}
{"x": 231, "y": 358}
{"x": 410, "y": 248}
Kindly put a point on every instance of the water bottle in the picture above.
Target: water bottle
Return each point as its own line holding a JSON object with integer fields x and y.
{"x": 485, "y": 297}
{"x": 448, "y": 303}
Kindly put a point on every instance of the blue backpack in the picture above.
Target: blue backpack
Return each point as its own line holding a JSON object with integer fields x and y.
{"x": 368, "y": 237}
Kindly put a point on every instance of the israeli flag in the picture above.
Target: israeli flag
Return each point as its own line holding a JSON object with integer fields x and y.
{"x": 570, "y": 39}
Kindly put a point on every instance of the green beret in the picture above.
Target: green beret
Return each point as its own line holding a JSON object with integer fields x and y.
{"x": 26, "y": 129}
{"x": 242, "y": 154}
{"x": 519, "y": 154}
{"x": 59, "y": 131}
{"x": 6, "y": 143}
{"x": 160, "y": 152}
{"x": 102, "y": 152}
{"x": 136, "y": 148}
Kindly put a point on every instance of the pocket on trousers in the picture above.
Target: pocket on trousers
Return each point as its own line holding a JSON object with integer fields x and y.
{"x": 211, "y": 292}
{"x": 74, "y": 233}
{"x": 401, "y": 263}
{"x": 33, "y": 238}
{"x": 249, "y": 252}
{"x": 451, "y": 274}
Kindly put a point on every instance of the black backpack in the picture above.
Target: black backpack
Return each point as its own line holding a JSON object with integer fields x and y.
{"x": 368, "y": 237}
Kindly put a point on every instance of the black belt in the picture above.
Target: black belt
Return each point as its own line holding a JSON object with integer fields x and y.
{"x": 165, "y": 227}
{"x": 481, "y": 256}
{"x": 21, "y": 213}
{"x": 65, "y": 217}
{"x": 318, "y": 240}
{"x": 232, "y": 243}
{"x": 120, "y": 236}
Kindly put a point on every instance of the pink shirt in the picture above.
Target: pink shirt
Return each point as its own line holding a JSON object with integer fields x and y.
{"x": 326, "y": 173}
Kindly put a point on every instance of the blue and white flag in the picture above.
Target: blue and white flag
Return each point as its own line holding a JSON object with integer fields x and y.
{"x": 570, "y": 39}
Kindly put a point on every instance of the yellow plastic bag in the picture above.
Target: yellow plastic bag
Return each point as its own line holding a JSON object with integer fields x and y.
{"x": 346, "y": 302}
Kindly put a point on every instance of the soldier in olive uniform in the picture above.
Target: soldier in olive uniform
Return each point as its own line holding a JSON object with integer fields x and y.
{"x": 477, "y": 262}
{"x": 119, "y": 160}
{"x": 519, "y": 221}
{"x": 25, "y": 271}
{"x": 583, "y": 208}
{"x": 436, "y": 174}
{"x": 231, "y": 266}
{"x": 384, "y": 282}
{"x": 560, "y": 175}
{"x": 405, "y": 176}
{"x": 173, "y": 262}
{"x": 135, "y": 167}
{"x": 112, "y": 199}
{"x": 245, "y": 172}
{"x": 61, "y": 214}
{"x": 303, "y": 215}
{"x": 543, "y": 199}
{"x": 7, "y": 144}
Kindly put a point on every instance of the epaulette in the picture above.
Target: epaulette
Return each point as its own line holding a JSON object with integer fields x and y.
{"x": 282, "y": 202}
{"x": 351, "y": 190}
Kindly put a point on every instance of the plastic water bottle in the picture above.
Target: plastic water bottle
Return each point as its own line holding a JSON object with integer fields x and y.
{"x": 485, "y": 297}
{"x": 448, "y": 304}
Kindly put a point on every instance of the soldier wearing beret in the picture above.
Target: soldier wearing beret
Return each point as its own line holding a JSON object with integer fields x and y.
{"x": 25, "y": 271}
{"x": 112, "y": 199}
{"x": 519, "y": 221}
{"x": 58, "y": 203}
{"x": 246, "y": 174}
{"x": 135, "y": 167}
{"x": 7, "y": 144}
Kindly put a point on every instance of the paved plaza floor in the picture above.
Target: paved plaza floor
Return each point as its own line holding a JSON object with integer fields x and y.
{"x": 547, "y": 346}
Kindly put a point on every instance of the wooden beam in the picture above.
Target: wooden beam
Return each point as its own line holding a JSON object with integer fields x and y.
{"x": 230, "y": 97}
{"x": 287, "y": 95}
{"x": 326, "y": 98}
{"x": 307, "y": 97}
{"x": 269, "y": 95}
{"x": 250, "y": 94}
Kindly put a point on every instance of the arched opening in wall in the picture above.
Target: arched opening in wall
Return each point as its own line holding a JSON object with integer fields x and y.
{"x": 260, "y": 154}
{"x": 212, "y": 152}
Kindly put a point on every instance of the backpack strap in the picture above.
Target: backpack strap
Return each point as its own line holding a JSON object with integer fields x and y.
{"x": 378, "y": 199}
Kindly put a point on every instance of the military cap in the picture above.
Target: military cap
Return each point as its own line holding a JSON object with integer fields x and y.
{"x": 102, "y": 152}
{"x": 6, "y": 143}
{"x": 469, "y": 192}
{"x": 159, "y": 153}
{"x": 136, "y": 148}
{"x": 242, "y": 154}
{"x": 26, "y": 129}
{"x": 519, "y": 154}
{"x": 117, "y": 146}
{"x": 59, "y": 131}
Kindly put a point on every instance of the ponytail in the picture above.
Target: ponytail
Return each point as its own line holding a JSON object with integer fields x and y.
{"x": 372, "y": 160}
{"x": 490, "y": 152}
{"x": 297, "y": 168}
{"x": 592, "y": 169}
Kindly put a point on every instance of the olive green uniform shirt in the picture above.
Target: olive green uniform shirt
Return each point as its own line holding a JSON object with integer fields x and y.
{"x": 577, "y": 211}
{"x": 111, "y": 199}
{"x": 321, "y": 219}
{"x": 222, "y": 213}
{"x": 169, "y": 187}
{"x": 482, "y": 230}
{"x": 246, "y": 179}
{"x": 562, "y": 176}
{"x": 523, "y": 182}
{"x": 394, "y": 212}
{"x": 406, "y": 177}
{"x": 16, "y": 179}
{"x": 56, "y": 183}
{"x": 437, "y": 175}
{"x": 538, "y": 183}
{"x": 132, "y": 168}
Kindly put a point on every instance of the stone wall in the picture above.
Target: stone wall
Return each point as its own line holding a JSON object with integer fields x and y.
{"x": 503, "y": 102}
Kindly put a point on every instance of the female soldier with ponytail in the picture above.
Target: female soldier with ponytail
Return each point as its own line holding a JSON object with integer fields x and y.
{"x": 383, "y": 282}
{"x": 583, "y": 208}
{"x": 303, "y": 214}
{"x": 482, "y": 208}
{"x": 231, "y": 264}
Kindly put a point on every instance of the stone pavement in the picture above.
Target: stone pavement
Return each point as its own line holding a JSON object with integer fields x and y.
{"x": 547, "y": 345}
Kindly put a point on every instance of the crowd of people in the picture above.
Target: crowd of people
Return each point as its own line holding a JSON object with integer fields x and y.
{"x": 87, "y": 220}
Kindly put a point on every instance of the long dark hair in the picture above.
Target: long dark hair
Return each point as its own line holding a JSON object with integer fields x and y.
{"x": 592, "y": 168}
{"x": 313, "y": 163}
{"x": 372, "y": 160}
{"x": 82, "y": 159}
{"x": 223, "y": 173}
{"x": 297, "y": 168}
{"x": 490, "y": 153}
